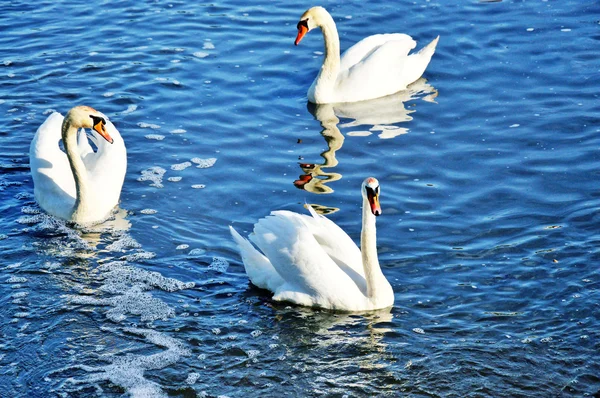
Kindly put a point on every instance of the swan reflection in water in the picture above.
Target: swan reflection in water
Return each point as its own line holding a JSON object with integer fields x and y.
{"x": 381, "y": 114}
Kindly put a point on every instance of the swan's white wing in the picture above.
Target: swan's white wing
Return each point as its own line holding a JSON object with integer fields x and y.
{"x": 309, "y": 273}
{"x": 335, "y": 242}
{"x": 258, "y": 267}
{"x": 361, "y": 50}
{"x": 387, "y": 69}
{"x": 54, "y": 186}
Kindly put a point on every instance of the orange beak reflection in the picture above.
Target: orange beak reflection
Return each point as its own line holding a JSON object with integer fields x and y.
{"x": 302, "y": 30}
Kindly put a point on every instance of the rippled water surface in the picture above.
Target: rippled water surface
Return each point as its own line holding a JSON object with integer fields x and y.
{"x": 489, "y": 170}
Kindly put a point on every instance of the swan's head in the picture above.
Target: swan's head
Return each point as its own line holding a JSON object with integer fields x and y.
{"x": 370, "y": 191}
{"x": 89, "y": 118}
{"x": 311, "y": 19}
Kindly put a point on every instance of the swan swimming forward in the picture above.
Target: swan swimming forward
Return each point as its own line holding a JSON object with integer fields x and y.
{"x": 79, "y": 184}
{"x": 376, "y": 66}
{"x": 310, "y": 261}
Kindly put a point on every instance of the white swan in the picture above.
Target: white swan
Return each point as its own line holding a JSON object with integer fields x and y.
{"x": 311, "y": 261}
{"x": 82, "y": 185}
{"x": 376, "y": 66}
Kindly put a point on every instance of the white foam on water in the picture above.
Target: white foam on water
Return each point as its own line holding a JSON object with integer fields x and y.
{"x": 148, "y": 211}
{"x": 201, "y": 54}
{"x": 198, "y": 186}
{"x": 129, "y": 286}
{"x": 154, "y": 175}
{"x": 141, "y": 255}
{"x": 208, "y": 45}
{"x": 180, "y": 166}
{"x": 16, "y": 279}
{"x": 174, "y": 179}
{"x": 178, "y": 131}
{"x": 124, "y": 242}
{"x": 130, "y": 109}
{"x": 219, "y": 264}
{"x": 156, "y": 137}
{"x": 127, "y": 371}
{"x": 192, "y": 378}
{"x": 196, "y": 252}
{"x": 182, "y": 247}
{"x": 204, "y": 163}
{"x": 148, "y": 125}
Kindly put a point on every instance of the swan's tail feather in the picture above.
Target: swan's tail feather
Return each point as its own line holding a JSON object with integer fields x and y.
{"x": 429, "y": 49}
{"x": 258, "y": 267}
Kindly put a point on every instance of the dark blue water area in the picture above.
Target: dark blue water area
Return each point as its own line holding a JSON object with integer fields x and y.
{"x": 489, "y": 170}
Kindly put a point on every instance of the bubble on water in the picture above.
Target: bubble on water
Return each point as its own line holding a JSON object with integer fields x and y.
{"x": 252, "y": 353}
{"x": 16, "y": 279}
{"x": 196, "y": 252}
{"x": 24, "y": 196}
{"x": 182, "y": 247}
{"x": 154, "y": 175}
{"x": 108, "y": 94}
{"x": 256, "y": 333}
{"x": 178, "y": 131}
{"x": 123, "y": 243}
{"x": 148, "y": 211}
{"x": 156, "y": 137}
{"x": 546, "y": 339}
{"x": 141, "y": 255}
{"x": 216, "y": 330}
{"x": 130, "y": 109}
{"x": 181, "y": 166}
{"x": 127, "y": 371}
{"x": 30, "y": 210}
{"x": 208, "y": 45}
{"x": 192, "y": 378}
{"x": 418, "y": 330}
{"x": 201, "y": 54}
{"x": 174, "y": 179}
{"x": 204, "y": 163}
{"x": 198, "y": 186}
{"x": 219, "y": 264}
{"x": 148, "y": 125}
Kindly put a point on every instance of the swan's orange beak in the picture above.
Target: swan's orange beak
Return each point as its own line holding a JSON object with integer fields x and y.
{"x": 373, "y": 199}
{"x": 99, "y": 127}
{"x": 302, "y": 30}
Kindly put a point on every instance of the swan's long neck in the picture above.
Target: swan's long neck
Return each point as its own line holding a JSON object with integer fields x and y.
{"x": 331, "y": 64}
{"x": 82, "y": 186}
{"x": 368, "y": 248}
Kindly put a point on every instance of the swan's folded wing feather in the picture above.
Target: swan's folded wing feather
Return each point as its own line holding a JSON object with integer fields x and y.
{"x": 50, "y": 169}
{"x": 258, "y": 267}
{"x": 335, "y": 241}
{"x": 386, "y": 70}
{"x": 361, "y": 50}
{"x": 301, "y": 261}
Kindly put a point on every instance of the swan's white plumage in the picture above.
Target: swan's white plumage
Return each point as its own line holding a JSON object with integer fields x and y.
{"x": 54, "y": 184}
{"x": 376, "y": 66}
{"x": 310, "y": 261}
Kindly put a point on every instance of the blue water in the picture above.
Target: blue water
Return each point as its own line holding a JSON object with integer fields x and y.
{"x": 489, "y": 178}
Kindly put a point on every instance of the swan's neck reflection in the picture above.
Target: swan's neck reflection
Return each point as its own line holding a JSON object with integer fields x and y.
{"x": 315, "y": 179}
{"x": 380, "y": 115}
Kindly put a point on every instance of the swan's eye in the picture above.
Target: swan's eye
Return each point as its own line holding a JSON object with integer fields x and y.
{"x": 98, "y": 119}
{"x": 303, "y": 23}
